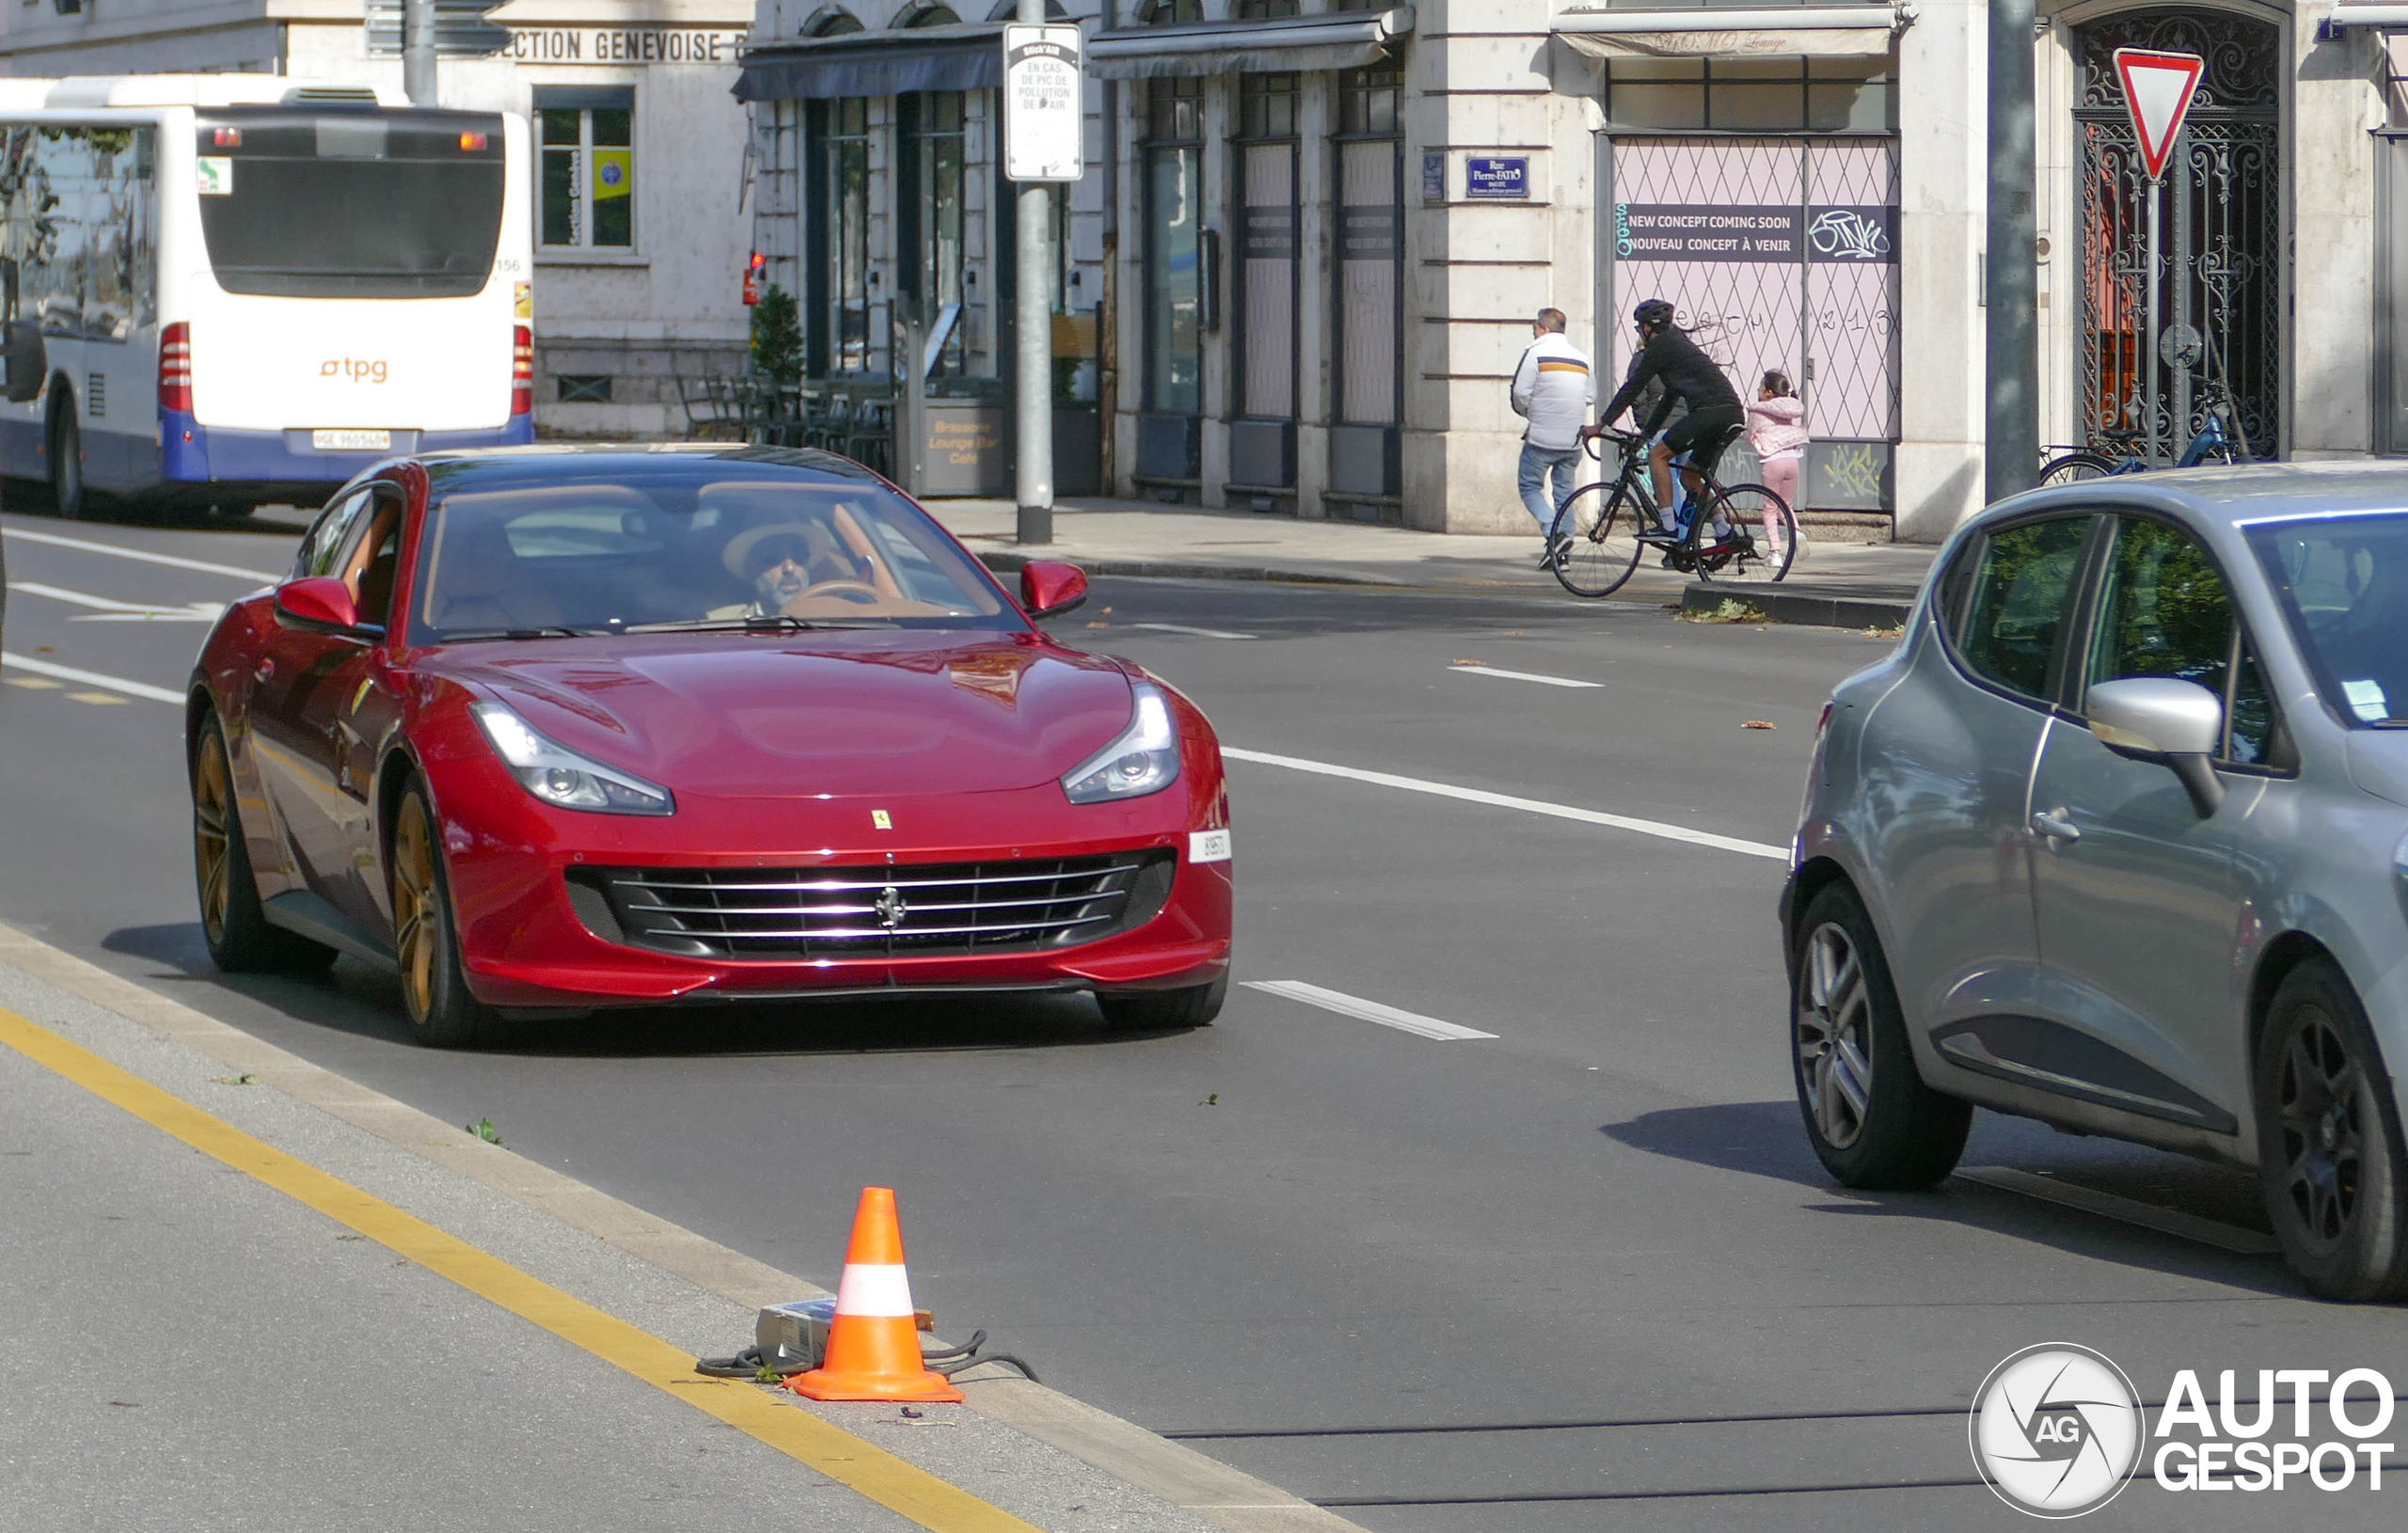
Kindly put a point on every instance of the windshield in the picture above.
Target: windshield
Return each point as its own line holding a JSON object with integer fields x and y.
{"x": 705, "y": 544}
{"x": 355, "y": 202}
{"x": 2345, "y": 582}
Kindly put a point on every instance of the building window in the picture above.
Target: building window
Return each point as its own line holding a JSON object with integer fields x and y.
{"x": 845, "y": 217}
{"x": 583, "y": 387}
{"x": 1174, "y": 12}
{"x": 1370, "y": 261}
{"x": 1265, "y": 10}
{"x": 588, "y": 170}
{"x": 939, "y": 145}
{"x": 1174, "y": 227}
{"x": 1752, "y": 95}
{"x": 1266, "y": 245}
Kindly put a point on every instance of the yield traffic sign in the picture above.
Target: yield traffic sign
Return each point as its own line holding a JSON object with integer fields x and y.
{"x": 2157, "y": 93}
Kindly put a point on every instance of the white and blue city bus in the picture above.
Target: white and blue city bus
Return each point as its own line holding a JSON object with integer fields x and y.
{"x": 227, "y": 289}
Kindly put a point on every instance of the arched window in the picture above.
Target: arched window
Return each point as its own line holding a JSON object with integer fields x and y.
{"x": 831, "y": 22}
{"x": 932, "y": 16}
{"x": 1174, "y": 12}
{"x": 1008, "y": 10}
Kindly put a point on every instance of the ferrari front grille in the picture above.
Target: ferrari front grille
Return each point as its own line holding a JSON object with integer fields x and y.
{"x": 877, "y": 911}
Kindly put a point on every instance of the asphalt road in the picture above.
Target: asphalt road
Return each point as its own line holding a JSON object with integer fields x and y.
{"x": 1583, "y": 1274}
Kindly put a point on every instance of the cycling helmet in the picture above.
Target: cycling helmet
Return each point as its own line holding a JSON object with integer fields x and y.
{"x": 1654, "y": 313}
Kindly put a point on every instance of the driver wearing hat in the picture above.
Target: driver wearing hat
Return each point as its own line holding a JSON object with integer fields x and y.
{"x": 782, "y": 559}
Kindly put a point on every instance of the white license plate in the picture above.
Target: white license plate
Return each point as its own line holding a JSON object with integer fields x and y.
{"x": 352, "y": 441}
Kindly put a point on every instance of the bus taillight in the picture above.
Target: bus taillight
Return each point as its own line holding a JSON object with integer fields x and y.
{"x": 522, "y": 369}
{"x": 175, "y": 368}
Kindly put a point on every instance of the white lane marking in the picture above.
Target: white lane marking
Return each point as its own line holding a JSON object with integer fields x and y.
{"x": 2247, "y": 1242}
{"x": 1520, "y": 675}
{"x": 1505, "y": 800}
{"x": 112, "y": 611}
{"x": 1183, "y": 629}
{"x": 143, "y": 555}
{"x": 91, "y": 678}
{"x": 1369, "y": 1011}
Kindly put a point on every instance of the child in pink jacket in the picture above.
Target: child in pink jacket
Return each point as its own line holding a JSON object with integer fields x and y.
{"x": 1776, "y": 430}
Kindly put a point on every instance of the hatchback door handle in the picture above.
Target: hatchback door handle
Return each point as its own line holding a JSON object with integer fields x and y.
{"x": 2053, "y": 824}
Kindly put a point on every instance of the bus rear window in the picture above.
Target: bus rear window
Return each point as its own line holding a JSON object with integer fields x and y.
{"x": 360, "y": 203}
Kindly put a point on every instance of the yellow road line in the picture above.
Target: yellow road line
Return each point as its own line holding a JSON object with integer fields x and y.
{"x": 879, "y": 1476}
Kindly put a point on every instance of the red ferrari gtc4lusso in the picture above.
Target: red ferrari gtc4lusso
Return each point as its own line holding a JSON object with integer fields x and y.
{"x": 556, "y": 728}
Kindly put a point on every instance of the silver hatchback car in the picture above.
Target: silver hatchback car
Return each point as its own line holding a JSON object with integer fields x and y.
{"x": 2118, "y": 839}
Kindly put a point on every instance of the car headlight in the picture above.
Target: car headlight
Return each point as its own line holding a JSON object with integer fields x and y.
{"x": 558, "y": 775}
{"x": 1143, "y": 760}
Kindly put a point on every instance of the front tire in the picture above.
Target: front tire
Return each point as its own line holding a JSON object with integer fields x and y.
{"x": 1873, "y": 1122}
{"x": 1140, "y": 1011}
{"x": 240, "y": 940}
{"x": 435, "y": 989}
{"x": 2329, "y": 1144}
{"x": 67, "y": 494}
{"x": 1601, "y": 523}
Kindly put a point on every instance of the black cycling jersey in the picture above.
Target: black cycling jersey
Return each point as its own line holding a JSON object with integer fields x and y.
{"x": 1687, "y": 372}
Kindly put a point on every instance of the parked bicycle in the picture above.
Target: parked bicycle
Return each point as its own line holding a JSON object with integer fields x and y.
{"x": 1742, "y": 533}
{"x": 2216, "y": 443}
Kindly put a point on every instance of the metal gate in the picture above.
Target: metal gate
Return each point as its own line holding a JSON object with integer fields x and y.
{"x": 2220, "y": 267}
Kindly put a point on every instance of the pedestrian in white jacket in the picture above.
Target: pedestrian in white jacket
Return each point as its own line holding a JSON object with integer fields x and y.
{"x": 1554, "y": 390}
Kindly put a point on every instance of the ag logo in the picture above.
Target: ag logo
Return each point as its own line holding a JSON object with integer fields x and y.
{"x": 2056, "y": 1430}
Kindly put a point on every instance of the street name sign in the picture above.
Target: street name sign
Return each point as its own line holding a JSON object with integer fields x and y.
{"x": 1044, "y": 110}
{"x": 2157, "y": 93}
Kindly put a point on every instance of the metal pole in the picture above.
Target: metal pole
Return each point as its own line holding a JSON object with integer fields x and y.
{"x": 2011, "y": 458}
{"x": 417, "y": 51}
{"x": 1034, "y": 310}
{"x": 911, "y": 431}
{"x": 2148, "y": 347}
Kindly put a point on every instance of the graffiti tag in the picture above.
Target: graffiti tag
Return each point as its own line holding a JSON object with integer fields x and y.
{"x": 1848, "y": 234}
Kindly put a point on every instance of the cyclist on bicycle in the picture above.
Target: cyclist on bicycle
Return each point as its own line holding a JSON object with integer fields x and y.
{"x": 1668, "y": 354}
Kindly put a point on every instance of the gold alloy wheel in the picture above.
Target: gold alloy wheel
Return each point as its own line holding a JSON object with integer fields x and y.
{"x": 417, "y": 925}
{"x": 213, "y": 844}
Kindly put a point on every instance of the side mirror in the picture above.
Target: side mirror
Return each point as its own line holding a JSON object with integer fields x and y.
{"x": 1049, "y": 588}
{"x": 2176, "y": 724}
{"x": 322, "y": 604}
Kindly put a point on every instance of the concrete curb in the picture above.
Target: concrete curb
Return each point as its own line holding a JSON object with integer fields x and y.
{"x": 1804, "y": 608}
{"x": 1172, "y": 1472}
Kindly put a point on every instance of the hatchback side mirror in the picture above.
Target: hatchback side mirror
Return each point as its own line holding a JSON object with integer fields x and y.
{"x": 1049, "y": 588}
{"x": 2177, "y": 725}
{"x": 322, "y": 604}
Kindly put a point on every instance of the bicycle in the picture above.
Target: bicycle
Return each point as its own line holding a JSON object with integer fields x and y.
{"x": 2214, "y": 444}
{"x": 1604, "y": 528}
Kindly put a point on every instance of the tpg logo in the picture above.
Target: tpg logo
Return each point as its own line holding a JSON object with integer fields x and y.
{"x": 358, "y": 369}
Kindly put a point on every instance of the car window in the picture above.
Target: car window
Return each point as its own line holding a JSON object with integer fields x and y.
{"x": 2165, "y": 611}
{"x": 2344, "y": 583}
{"x": 2018, "y": 600}
{"x": 374, "y": 564}
{"x": 685, "y": 544}
{"x": 321, "y": 549}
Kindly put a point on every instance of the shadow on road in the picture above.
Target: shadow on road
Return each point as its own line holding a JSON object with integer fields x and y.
{"x": 353, "y": 998}
{"x": 1765, "y": 1139}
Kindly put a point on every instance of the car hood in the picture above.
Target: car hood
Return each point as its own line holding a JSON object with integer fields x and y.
{"x": 811, "y": 716}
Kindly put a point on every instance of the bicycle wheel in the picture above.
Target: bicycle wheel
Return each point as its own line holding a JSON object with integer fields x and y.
{"x": 1602, "y": 521}
{"x": 2073, "y": 468}
{"x": 1749, "y": 536}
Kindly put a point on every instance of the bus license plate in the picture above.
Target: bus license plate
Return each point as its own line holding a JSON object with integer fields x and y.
{"x": 352, "y": 441}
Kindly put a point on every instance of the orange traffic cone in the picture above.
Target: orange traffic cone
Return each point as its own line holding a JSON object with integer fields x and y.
{"x": 873, "y": 1344}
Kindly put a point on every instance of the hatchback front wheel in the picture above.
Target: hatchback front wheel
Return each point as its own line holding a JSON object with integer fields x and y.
{"x": 2329, "y": 1140}
{"x": 1873, "y": 1121}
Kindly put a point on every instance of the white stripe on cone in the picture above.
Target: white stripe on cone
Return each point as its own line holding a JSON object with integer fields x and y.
{"x": 874, "y": 1291}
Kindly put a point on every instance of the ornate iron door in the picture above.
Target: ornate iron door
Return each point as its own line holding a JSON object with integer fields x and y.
{"x": 2220, "y": 260}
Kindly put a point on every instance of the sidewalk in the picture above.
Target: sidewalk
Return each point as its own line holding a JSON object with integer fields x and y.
{"x": 1862, "y": 585}
{"x": 341, "y": 1311}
